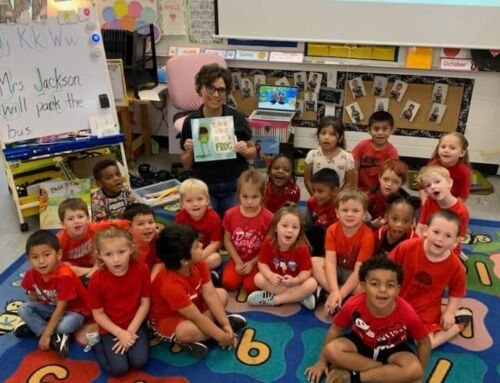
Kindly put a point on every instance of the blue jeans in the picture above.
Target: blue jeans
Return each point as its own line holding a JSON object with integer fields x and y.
{"x": 115, "y": 364}
{"x": 222, "y": 196}
{"x": 37, "y": 314}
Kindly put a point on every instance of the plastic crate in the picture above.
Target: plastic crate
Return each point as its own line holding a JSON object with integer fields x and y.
{"x": 142, "y": 193}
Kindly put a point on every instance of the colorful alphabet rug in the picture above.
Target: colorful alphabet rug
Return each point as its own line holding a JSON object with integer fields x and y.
{"x": 278, "y": 344}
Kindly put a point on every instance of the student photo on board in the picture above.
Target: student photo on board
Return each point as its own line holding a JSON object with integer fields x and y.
{"x": 299, "y": 107}
{"x": 357, "y": 87}
{"x": 398, "y": 90}
{"x": 310, "y": 102}
{"x": 354, "y": 112}
{"x": 236, "y": 80}
{"x": 258, "y": 80}
{"x": 283, "y": 81}
{"x": 314, "y": 82}
{"x": 300, "y": 80}
{"x": 410, "y": 110}
{"x": 246, "y": 88}
{"x": 379, "y": 85}
{"x": 439, "y": 93}
{"x": 381, "y": 103}
{"x": 437, "y": 112}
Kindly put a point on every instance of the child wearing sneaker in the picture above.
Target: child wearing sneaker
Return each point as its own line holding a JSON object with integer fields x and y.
{"x": 144, "y": 230}
{"x": 120, "y": 293}
{"x": 112, "y": 197}
{"x": 185, "y": 306}
{"x": 437, "y": 184}
{"x": 376, "y": 349}
{"x": 285, "y": 268}
{"x": 77, "y": 235}
{"x": 348, "y": 243}
{"x": 430, "y": 268}
{"x": 57, "y": 304}
{"x": 196, "y": 212}
{"x": 321, "y": 208}
{"x": 245, "y": 226}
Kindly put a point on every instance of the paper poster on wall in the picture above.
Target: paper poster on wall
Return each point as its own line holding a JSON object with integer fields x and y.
{"x": 202, "y": 22}
{"x": 173, "y": 20}
{"x": 213, "y": 138}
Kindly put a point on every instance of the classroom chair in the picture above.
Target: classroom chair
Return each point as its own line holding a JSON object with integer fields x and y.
{"x": 181, "y": 71}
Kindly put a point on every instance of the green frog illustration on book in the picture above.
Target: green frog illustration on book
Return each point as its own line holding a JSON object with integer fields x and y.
{"x": 204, "y": 137}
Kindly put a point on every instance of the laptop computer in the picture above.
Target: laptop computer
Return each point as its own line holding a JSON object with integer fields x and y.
{"x": 275, "y": 103}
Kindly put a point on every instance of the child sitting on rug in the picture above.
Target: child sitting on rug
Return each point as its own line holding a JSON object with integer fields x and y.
{"x": 376, "y": 349}
{"x": 112, "y": 197}
{"x": 245, "y": 226}
{"x": 281, "y": 186}
{"x": 77, "y": 236}
{"x": 58, "y": 302}
{"x": 144, "y": 230}
{"x": 196, "y": 212}
{"x": 120, "y": 299}
{"x": 348, "y": 243}
{"x": 430, "y": 268}
{"x": 186, "y": 308}
{"x": 285, "y": 268}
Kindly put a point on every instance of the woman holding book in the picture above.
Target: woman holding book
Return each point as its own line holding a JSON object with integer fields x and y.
{"x": 213, "y": 83}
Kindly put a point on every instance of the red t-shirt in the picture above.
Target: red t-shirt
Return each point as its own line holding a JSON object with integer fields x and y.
{"x": 274, "y": 199}
{"x": 58, "y": 286}
{"x": 247, "y": 233}
{"x": 146, "y": 251}
{"x": 321, "y": 215}
{"x": 209, "y": 227}
{"x": 78, "y": 252}
{"x": 370, "y": 161}
{"x": 120, "y": 296}
{"x": 425, "y": 281}
{"x": 290, "y": 262}
{"x": 349, "y": 250}
{"x": 377, "y": 203}
{"x": 460, "y": 174}
{"x": 172, "y": 291}
{"x": 383, "y": 246}
{"x": 431, "y": 206}
{"x": 380, "y": 332}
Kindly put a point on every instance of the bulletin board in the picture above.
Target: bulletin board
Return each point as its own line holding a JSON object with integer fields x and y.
{"x": 420, "y": 90}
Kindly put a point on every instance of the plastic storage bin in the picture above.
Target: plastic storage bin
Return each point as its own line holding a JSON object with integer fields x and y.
{"x": 146, "y": 193}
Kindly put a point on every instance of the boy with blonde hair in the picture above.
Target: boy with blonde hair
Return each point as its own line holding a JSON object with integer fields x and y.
{"x": 370, "y": 154}
{"x": 196, "y": 212}
{"x": 348, "y": 243}
{"x": 437, "y": 183}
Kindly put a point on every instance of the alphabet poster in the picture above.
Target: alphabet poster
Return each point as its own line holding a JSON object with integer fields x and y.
{"x": 213, "y": 138}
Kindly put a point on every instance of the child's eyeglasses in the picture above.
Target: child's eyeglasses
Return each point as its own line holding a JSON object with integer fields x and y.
{"x": 212, "y": 89}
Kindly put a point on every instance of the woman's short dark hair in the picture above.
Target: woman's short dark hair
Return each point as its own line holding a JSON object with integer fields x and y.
{"x": 211, "y": 72}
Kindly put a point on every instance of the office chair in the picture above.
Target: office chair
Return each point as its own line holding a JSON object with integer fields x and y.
{"x": 181, "y": 71}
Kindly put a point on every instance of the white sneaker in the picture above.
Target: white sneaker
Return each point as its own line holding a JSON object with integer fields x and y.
{"x": 309, "y": 302}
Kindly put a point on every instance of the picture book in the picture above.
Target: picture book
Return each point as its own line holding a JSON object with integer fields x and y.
{"x": 52, "y": 193}
{"x": 213, "y": 138}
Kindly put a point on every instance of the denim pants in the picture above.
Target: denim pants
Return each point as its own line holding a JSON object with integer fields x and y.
{"x": 37, "y": 314}
{"x": 222, "y": 196}
{"x": 115, "y": 364}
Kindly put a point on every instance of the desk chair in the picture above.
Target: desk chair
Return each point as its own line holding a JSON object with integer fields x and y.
{"x": 181, "y": 71}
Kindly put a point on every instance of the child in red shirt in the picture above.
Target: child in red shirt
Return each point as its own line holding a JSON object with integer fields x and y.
{"x": 280, "y": 186}
{"x": 392, "y": 176}
{"x": 376, "y": 349}
{"x": 245, "y": 226}
{"x": 321, "y": 208}
{"x": 400, "y": 218}
{"x": 76, "y": 237}
{"x": 348, "y": 243}
{"x": 437, "y": 184}
{"x": 197, "y": 213}
{"x": 58, "y": 302}
{"x": 285, "y": 268}
{"x": 369, "y": 155}
{"x": 186, "y": 308}
{"x": 120, "y": 293}
{"x": 430, "y": 268}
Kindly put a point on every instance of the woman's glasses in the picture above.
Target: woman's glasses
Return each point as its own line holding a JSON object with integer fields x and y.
{"x": 212, "y": 89}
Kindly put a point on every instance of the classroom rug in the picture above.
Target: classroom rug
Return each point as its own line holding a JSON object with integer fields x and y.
{"x": 278, "y": 344}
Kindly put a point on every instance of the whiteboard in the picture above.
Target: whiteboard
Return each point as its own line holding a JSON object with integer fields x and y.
{"x": 432, "y": 23}
{"x": 51, "y": 76}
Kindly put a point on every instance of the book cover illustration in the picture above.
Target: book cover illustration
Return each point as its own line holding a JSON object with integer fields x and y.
{"x": 52, "y": 193}
{"x": 213, "y": 138}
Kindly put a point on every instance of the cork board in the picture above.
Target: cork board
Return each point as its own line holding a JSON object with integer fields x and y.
{"x": 420, "y": 93}
{"x": 420, "y": 90}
